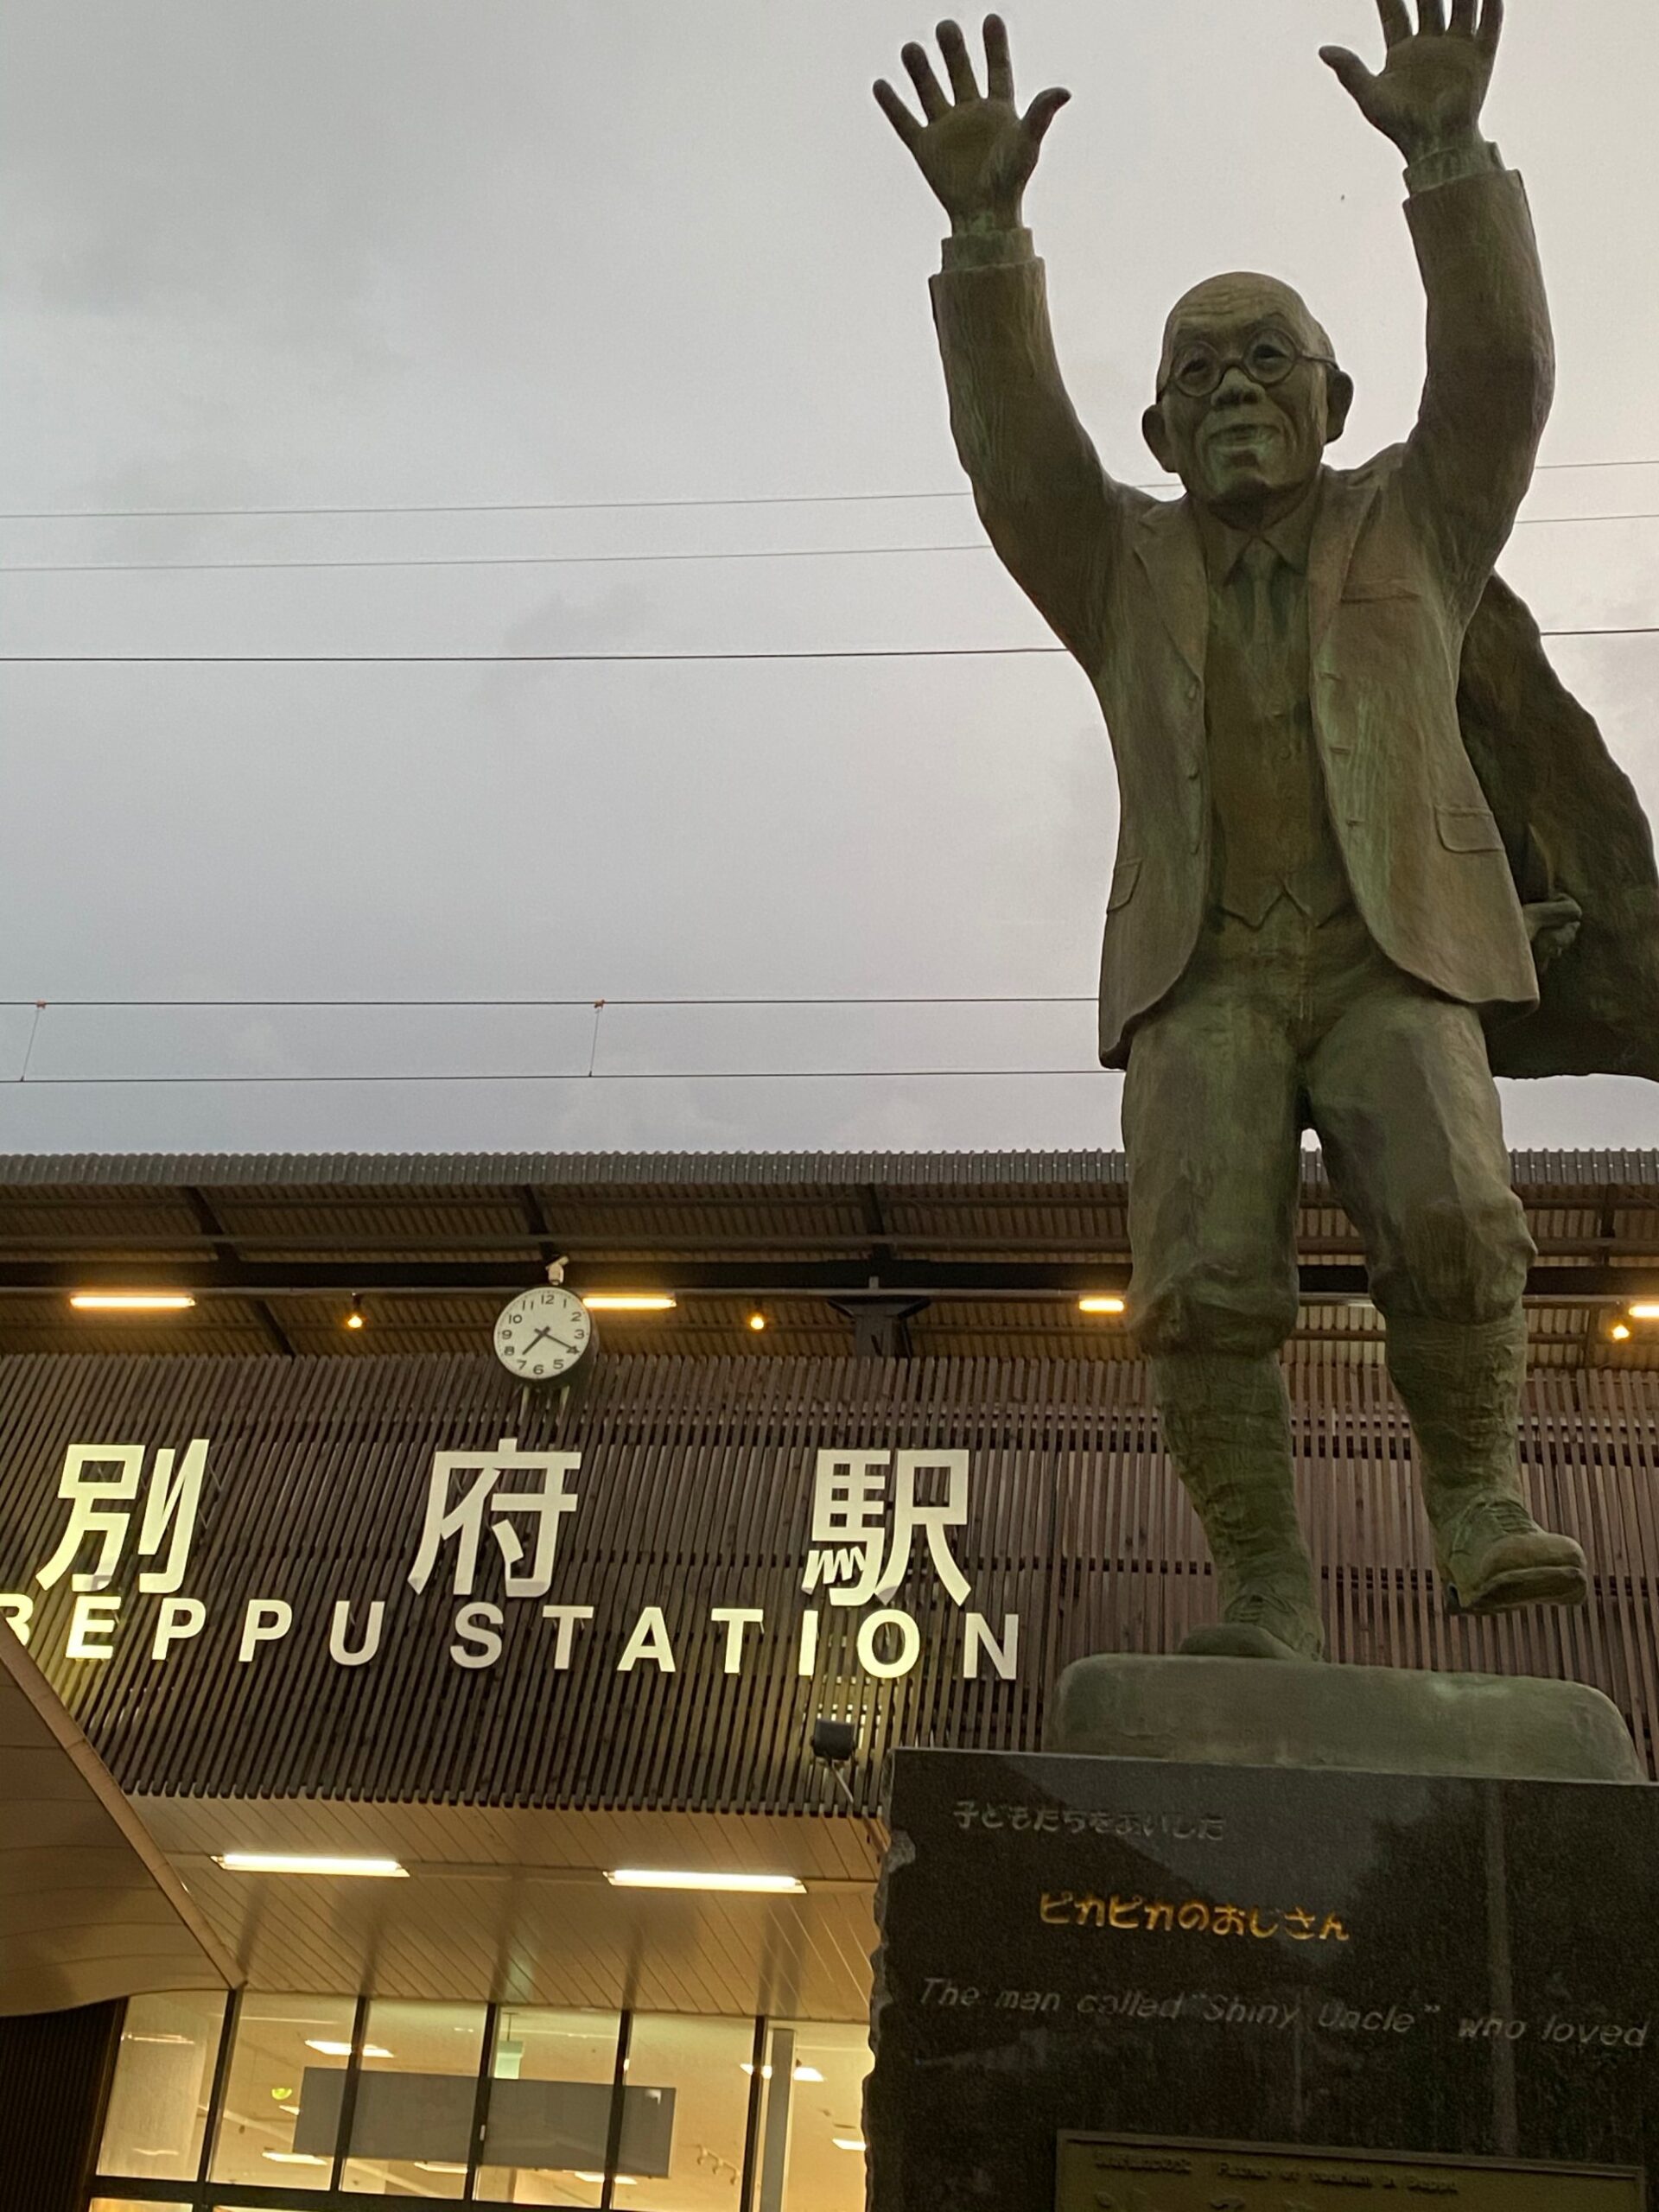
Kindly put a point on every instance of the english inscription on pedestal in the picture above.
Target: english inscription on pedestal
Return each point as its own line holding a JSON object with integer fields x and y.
{"x": 1331, "y": 1970}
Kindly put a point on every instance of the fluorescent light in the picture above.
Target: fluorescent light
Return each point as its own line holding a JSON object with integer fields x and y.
{"x": 629, "y": 1301}
{"x": 308, "y": 2159}
{"x": 807, "y": 2073}
{"x": 290, "y": 1862}
{"x": 1102, "y": 1305}
{"x": 623, "y": 2181}
{"x": 1646, "y": 1311}
{"x": 653, "y": 1878}
{"x": 329, "y": 2049}
{"x": 847, "y": 2142}
{"x": 132, "y": 1301}
{"x": 439, "y": 2166}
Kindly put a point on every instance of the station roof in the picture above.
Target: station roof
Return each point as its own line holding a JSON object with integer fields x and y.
{"x": 991, "y": 1249}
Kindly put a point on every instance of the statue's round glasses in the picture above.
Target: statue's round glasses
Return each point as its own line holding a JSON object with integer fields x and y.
{"x": 1266, "y": 360}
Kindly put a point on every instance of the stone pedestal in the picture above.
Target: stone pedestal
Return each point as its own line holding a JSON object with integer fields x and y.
{"x": 1148, "y": 1984}
{"x": 1367, "y": 1719}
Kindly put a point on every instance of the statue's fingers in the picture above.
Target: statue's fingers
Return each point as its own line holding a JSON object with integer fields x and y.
{"x": 954, "y": 47}
{"x": 1396, "y": 20}
{"x": 897, "y": 113}
{"x": 999, "y": 65}
{"x": 1043, "y": 110}
{"x": 1431, "y": 14}
{"x": 1354, "y": 76}
{"x": 1464, "y": 15}
{"x": 1491, "y": 25}
{"x": 928, "y": 89}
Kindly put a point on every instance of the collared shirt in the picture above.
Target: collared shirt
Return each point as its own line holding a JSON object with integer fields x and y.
{"x": 1271, "y": 831}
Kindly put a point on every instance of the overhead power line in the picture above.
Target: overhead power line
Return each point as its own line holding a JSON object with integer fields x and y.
{"x": 591, "y": 506}
{"x": 603, "y": 560}
{"x": 546, "y": 1005}
{"x": 623, "y": 1075}
{"x": 608, "y": 660}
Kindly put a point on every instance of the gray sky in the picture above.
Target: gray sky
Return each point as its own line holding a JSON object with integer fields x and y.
{"x": 387, "y": 253}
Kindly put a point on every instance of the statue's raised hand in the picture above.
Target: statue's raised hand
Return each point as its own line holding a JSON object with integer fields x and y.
{"x": 1428, "y": 95}
{"x": 976, "y": 149}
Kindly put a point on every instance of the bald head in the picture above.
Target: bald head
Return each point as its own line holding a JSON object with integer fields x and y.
{"x": 1246, "y": 444}
{"x": 1236, "y": 300}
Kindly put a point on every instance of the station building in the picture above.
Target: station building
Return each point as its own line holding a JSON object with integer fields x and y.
{"x": 416, "y": 1784}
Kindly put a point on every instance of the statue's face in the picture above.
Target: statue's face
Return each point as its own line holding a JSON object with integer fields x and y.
{"x": 1259, "y": 435}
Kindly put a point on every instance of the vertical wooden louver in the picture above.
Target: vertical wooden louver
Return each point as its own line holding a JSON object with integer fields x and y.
{"x": 696, "y": 1488}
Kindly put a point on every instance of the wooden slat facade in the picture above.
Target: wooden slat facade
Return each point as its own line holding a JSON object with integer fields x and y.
{"x": 696, "y": 1488}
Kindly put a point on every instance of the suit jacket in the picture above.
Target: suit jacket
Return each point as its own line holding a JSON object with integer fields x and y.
{"x": 1401, "y": 553}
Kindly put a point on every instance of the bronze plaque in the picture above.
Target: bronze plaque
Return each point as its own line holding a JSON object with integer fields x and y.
{"x": 1101, "y": 2173}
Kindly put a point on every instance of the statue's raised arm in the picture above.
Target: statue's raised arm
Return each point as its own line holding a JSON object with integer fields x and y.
{"x": 1042, "y": 494}
{"x": 1469, "y": 462}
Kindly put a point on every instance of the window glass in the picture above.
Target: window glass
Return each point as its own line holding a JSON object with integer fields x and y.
{"x": 281, "y": 2120}
{"x": 551, "y": 2075}
{"x": 684, "y": 2114}
{"x": 810, "y": 2156}
{"x": 163, "y": 2076}
{"x": 416, "y": 2096}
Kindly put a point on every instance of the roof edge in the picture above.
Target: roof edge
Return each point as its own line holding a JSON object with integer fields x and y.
{"x": 407, "y": 1171}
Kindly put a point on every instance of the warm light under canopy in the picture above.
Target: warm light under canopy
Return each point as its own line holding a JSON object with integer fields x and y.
{"x": 132, "y": 1301}
{"x": 653, "y": 1878}
{"x": 629, "y": 1301}
{"x": 1103, "y": 1304}
{"x": 292, "y": 1862}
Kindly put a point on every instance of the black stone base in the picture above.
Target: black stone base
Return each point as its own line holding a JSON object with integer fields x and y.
{"x": 1439, "y": 1968}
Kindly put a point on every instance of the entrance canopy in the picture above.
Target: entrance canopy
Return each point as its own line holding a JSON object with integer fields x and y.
{"x": 89, "y": 1907}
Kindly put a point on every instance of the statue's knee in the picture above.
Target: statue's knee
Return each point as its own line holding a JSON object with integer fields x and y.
{"x": 1458, "y": 1261}
{"x": 1198, "y": 1312}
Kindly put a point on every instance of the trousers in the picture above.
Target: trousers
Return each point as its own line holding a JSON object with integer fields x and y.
{"x": 1292, "y": 1026}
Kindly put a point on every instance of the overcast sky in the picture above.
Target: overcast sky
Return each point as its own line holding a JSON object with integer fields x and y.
{"x": 387, "y": 254}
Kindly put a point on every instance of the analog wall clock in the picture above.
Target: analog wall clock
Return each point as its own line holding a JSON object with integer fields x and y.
{"x": 544, "y": 1335}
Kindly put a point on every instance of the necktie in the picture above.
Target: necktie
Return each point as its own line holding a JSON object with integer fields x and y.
{"x": 1258, "y": 563}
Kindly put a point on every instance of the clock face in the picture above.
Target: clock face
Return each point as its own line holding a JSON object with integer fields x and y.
{"x": 544, "y": 1336}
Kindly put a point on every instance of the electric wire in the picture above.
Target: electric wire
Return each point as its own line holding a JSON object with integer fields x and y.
{"x": 619, "y": 1075}
{"x": 595, "y": 506}
{"x": 541, "y": 1005}
{"x": 616, "y": 659}
{"x": 603, "y": 560}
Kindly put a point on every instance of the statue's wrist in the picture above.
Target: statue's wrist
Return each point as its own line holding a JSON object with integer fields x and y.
{"x": 1468, "y": 144}
{"x": 988, "y": 222}
{"x": 1451, "y": 162}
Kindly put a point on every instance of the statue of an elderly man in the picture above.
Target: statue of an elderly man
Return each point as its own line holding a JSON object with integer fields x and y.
{"x": 1318, "y": 916}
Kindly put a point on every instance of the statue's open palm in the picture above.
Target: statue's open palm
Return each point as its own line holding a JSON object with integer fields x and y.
{"x": 976, "y": 149}
{"x": 1433, "y": 84}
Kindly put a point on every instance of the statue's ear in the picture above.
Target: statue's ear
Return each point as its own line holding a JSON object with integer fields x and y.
{"x": 1155, "y": 431}
{"x": 1339, "y": 397}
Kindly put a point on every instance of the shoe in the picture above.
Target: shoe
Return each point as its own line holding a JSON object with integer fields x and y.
{"x": 1496, "y": 1559}
{"x": 1258, "y": 1624}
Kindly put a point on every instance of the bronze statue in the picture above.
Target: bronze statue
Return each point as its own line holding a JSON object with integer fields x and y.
{"x": 1356, "y": 825}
